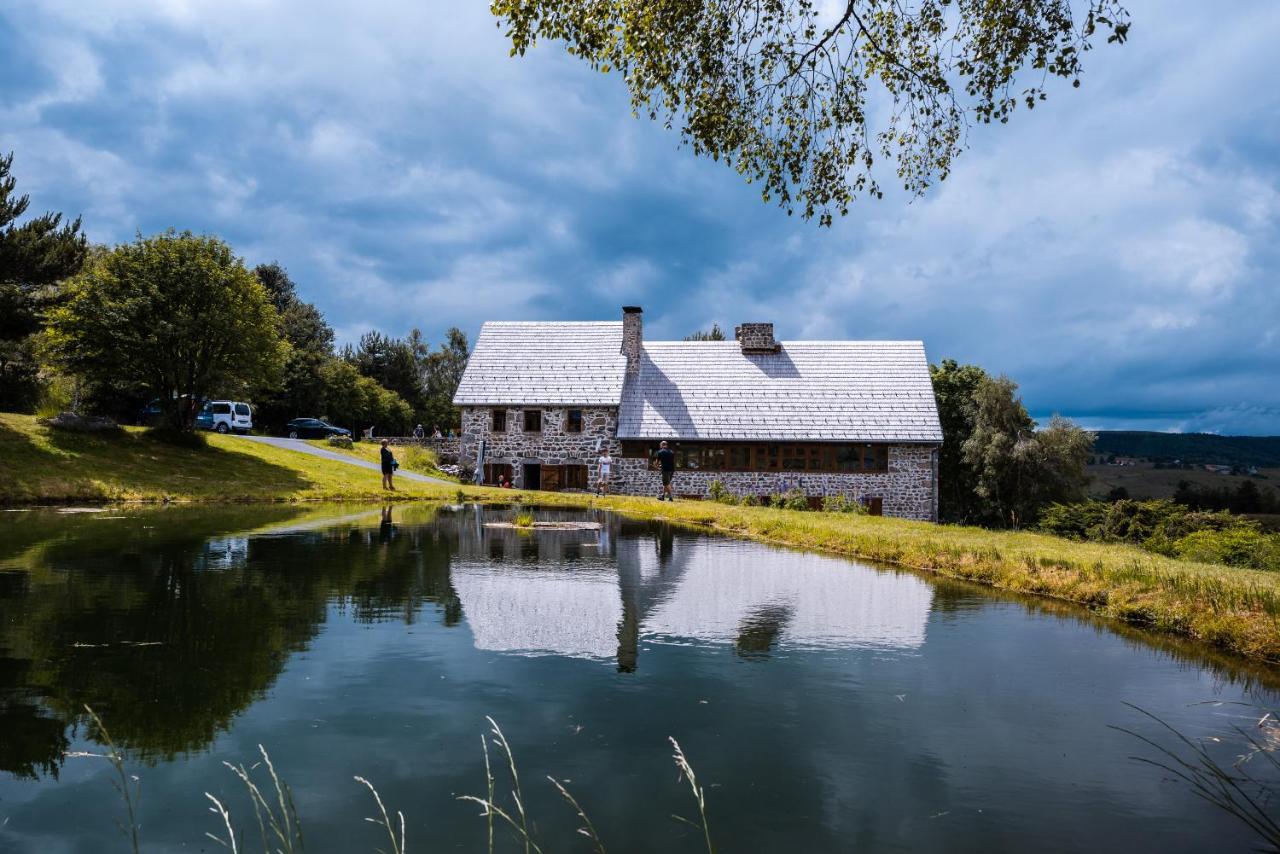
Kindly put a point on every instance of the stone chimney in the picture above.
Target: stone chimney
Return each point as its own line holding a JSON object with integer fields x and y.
{"x": 756, "y": 338}
{"x": 632, "y": 336}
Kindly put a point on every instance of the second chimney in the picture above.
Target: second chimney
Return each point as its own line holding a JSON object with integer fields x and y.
{"x": 632, "y": 336}
{"x": 756, "y": 338}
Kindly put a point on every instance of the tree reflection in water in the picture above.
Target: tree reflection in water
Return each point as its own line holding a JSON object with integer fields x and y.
{"x": 171, "y": 622}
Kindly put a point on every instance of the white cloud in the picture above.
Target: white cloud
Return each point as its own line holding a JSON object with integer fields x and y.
{"x": 1112, "y": 250}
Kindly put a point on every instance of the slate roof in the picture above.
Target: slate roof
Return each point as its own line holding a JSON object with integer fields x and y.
{"x": 853, "y": 391}
{"x": 548, "y": 364}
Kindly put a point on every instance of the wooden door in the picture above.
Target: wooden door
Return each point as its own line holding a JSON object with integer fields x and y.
{"x": 550, "y": 478}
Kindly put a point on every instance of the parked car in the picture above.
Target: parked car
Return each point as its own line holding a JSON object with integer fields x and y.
{"x": 226, "y": 416}
{"x": 313, "y": 428}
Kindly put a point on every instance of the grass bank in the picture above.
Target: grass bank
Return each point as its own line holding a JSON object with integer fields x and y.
{"x": 40, "y": 465}
{"x": 411, "y": 458}
{"x": 1233, "y": 609}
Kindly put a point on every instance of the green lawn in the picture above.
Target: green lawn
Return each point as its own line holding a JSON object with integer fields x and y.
{"x": 368, "y": 451}
{"x": 1233, "y": 609}
{"x": 38, "y": 464}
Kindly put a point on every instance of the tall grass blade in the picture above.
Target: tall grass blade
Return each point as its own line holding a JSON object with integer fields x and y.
{"x": 588, "y": 829}
{"x": 686, "y": 772}
{"x": 130, "y": 793}
{"x": 397, "y": 845}
{"x": 219, "y": 810}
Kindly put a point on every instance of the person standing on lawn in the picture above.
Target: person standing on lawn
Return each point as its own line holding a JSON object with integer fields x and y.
{"x": 388, "y": 466}
{"x": 667, "y": 464}
{"x": 606, "y": 471}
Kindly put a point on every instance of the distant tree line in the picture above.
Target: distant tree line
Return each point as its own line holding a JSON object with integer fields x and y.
{"x": 1190, "y": 448}
{"x": 1248, "y": 497}
{"x": 177, "y": 318}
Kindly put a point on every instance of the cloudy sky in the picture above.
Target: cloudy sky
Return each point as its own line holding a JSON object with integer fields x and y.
{"x": 1116, "y": 252}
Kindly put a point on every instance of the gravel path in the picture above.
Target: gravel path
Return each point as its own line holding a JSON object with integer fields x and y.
{"x": 299, "y": 445}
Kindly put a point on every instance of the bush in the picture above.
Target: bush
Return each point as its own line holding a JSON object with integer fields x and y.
{"x": 1239, "y": 546}
{"x": 1128, "y": 521}
{"x": 718, "y": 493}
{"x": 419, "y": 459}
{"x": 792, "y": 499}
{"x": 843, "y": 504}
{"x": 1169, "y": 529}
{"x": 340, "y": 441}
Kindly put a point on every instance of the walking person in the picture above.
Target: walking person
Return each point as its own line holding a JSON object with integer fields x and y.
{"x": 667, "y": 464}
{"x": 389, "y": 466}
{"x": 606, "y": 471}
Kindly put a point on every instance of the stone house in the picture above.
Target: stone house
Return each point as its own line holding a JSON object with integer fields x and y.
{"x": 856, "y": 418}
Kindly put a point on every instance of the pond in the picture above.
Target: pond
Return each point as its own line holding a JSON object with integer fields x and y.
{"x": 825, "y": 705}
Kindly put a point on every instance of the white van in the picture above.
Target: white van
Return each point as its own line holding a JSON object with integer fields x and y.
{"x": 226, "y": 416}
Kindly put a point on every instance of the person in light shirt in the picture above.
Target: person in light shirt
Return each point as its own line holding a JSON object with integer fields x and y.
{"x": 606, "y": 472}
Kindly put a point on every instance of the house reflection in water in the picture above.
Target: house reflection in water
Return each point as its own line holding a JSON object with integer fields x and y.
{"x": 597, "y": 594}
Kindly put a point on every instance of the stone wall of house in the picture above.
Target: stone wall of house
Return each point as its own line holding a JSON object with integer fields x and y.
{"x": 906, "y": 490}
{"x": 554, "y": 445}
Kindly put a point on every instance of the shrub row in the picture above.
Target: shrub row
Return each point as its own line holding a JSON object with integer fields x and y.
{"x": 1167, "y": 528}
{"x": 792, "y": 499}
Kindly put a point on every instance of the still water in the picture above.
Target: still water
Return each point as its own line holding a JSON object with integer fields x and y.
{"x": 826, "y": 705}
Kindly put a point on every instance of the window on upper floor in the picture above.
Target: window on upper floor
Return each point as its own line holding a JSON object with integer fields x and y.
{"x": 499, "y": 423}
{"x": 573, "y": 421}
{"x": 533, "y": 421}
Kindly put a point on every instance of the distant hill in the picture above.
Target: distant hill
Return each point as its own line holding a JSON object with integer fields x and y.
{"x": 1261, "y": 451}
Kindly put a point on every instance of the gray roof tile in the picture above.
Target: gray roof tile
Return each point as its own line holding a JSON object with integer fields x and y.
{"x": 550, "y": 364}
{"x": 840, "y": 390}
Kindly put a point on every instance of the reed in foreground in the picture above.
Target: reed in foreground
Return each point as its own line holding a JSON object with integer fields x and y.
{"x": 280, "y": 828}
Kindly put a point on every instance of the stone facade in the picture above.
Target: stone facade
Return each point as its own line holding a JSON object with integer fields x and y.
{"x": 632, "y": 337}
{"x": 756, "y": 338}
{"x": 906, "y": 490}
{"x": 553, "y": 445}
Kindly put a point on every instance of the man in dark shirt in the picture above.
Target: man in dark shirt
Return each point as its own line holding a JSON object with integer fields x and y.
{"x": 667, "y": 463}
{"x": 388, "y": 466}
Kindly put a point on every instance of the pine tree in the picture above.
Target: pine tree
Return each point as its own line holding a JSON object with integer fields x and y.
{"x": 35, "y": 256}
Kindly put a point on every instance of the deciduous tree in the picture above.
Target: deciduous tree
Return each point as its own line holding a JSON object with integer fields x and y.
{"x": 803, "y": 97}
{"x": 953, "y": 387}
{"x": 301, "y": 390}
{"x": 442, "y": 373}
{"x": 1019, "y": 471}
{"x": 176, "y": 314}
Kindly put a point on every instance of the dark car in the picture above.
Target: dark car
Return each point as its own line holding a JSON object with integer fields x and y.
{"x": 313, "y": 428}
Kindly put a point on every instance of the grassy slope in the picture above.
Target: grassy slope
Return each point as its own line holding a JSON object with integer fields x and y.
{"x": 1233, "y": 609}
{"x": 42, "y": 465}
{"x": 368, "y": 451}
